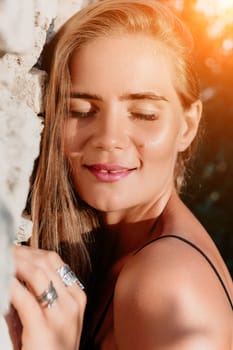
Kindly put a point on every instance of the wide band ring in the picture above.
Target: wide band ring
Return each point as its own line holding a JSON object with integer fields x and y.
{"x": 49, "y": 297}
{"x": 68, "y": 277}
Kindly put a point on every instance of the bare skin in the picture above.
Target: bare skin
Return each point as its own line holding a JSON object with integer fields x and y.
{"x": 126, "y": 127}
{"x": 42, "y": 327}
{"x": 169, "y": 275}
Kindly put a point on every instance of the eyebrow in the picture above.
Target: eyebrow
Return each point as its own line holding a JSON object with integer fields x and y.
{"x": 131, "y": 96}
{"x": 143, "y": 96}
{"x": 83, "y": 95}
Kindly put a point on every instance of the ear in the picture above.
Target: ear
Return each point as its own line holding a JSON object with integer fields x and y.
{"x": 192, "y": 117}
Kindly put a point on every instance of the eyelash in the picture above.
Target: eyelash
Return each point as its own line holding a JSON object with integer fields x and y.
{"x": 141, "y": 116}
{"x": 76, "y": 114}
{"x": 145, "y": 116}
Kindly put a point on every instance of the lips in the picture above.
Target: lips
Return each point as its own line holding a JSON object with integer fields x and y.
{"x": 109, "y": 172}
{"x": 107, "y": 167}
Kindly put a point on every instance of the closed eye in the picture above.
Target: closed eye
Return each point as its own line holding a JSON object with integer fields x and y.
{"x": 79, "y": 114}
{"x": 145, "y": 116}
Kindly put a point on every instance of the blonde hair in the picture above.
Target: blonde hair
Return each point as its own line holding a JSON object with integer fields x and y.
{"x": 57, "y": 212}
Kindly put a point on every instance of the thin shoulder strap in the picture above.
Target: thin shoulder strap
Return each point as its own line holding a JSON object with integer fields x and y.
{"x": 200, "y": 251}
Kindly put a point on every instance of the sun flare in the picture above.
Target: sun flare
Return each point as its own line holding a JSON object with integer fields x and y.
{"x": 215, "y": 7}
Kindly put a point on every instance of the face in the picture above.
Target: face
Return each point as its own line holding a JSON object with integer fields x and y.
{"x": 126, "y": 124}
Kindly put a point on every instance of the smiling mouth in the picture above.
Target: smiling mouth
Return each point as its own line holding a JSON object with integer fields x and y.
{"x": 109, "y": 173}
{"x": 109, "y": 168}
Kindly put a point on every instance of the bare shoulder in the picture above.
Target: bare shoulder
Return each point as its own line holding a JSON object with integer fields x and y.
{"x": 168, "y": 297}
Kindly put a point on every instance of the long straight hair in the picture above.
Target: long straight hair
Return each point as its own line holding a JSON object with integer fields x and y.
{"x": 60, "y": 217}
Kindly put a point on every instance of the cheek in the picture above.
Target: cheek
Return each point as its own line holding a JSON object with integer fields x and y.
{"x": 72, "y": 137}
{"x": 161, "y": 144}
{"x": 68, "y": 137}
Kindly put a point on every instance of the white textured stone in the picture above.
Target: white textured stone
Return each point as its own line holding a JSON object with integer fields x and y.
{"x": 67, "y": 9}
{"x": 45, "y": 11}
{"x": 16, "y": 25}
{"x": 6, "y": 77}
{"x": 30, "y": 89}
{"x": 24, "y": 231}
{"x": 7, "y": 232}
{"x": 19, "y": 144}
{"x": 22, "y": 64}
{"x": 24, "y": 86}
{"x": 6, "y": 265}
{"x": 6, "y": 343}
{"x": 24, "y": 26}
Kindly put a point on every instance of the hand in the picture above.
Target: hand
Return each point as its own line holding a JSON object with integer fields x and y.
{"x": 55, "y": 328}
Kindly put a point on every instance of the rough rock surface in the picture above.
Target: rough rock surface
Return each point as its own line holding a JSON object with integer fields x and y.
{"x": 24, "y": 26}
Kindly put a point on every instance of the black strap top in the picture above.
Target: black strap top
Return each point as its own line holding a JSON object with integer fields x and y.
{"x": 91, "y": 345}
{"x": 201, "y": 252}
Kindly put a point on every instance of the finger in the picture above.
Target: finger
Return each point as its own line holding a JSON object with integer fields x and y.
{"x": 33, "y": 266}
{"x": 28, "y": 309}
{"x": 47, "y": 261}
{"x": 38, "y": 267}
{"x": 71, "y": 281}
{"x": 35, "y": 278}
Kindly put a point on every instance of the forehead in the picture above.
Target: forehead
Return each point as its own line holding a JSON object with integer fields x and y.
{"x": 123, "y": 63}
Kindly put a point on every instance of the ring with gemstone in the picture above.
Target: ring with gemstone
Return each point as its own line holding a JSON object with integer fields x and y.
{"x": 49, "y": 297}
{"x": 68, "y": 277}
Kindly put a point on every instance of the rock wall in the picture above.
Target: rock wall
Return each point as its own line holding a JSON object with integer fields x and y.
{"x": 24, "y": 26}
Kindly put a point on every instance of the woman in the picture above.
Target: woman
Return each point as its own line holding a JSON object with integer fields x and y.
{"x": 122, "y": 114}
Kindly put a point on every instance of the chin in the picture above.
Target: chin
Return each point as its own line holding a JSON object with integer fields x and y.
{"x": 105, "y": 205}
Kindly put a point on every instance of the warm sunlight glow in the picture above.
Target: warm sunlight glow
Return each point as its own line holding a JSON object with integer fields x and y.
{"x": 215, "y": 7}
{"x": 219, "y": 14}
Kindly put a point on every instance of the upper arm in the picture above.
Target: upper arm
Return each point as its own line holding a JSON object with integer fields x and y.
{"x": 165, "y": 302}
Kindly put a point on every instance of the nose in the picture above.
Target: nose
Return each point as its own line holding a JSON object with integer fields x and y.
{"x": 110, "y": 133}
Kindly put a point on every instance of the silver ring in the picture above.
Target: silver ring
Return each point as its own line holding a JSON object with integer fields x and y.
{"x": 49, "y": 297}
{"x": 68, "y": 277}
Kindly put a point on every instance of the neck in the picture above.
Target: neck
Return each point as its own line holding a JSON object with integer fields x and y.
{"x": 129, "y": 231}
{"x": 133, "y": 215}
